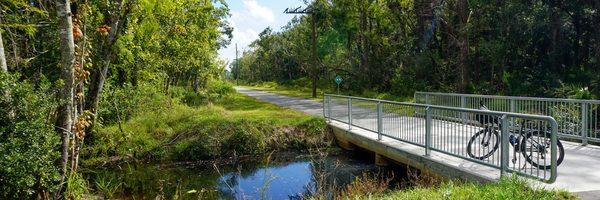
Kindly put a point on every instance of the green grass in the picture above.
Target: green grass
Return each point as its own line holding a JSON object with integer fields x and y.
{"x": 306, "y": 92}
{"x": 512, "y": 188}
{"x": 288, "y": 90}
{"x": 231, "y": 126}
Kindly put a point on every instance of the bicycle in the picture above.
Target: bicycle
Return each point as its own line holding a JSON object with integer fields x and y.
{"x": 529, "y": 142}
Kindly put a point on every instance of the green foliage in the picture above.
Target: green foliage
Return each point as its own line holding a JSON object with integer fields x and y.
{"x": 574, "y": 92}
{"x": 77, "y": 187}
{"x": 27, "y": 141}
{"x": 174, "y": 49}
{"x": 155, "y": 59}
{"x": 233, "y": 125}
{"x": 245, "y": 139}
{"x": 527, "y": 48}
{"x": 107, "y": 185}
{"x": 510, "y": 188}
{"x": 123, "y": 102}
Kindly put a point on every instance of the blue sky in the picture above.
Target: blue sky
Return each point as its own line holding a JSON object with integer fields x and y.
{"x": 250, "y": 17}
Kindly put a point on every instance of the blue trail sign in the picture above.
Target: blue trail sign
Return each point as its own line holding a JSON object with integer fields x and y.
{"x": 338, "y": 80}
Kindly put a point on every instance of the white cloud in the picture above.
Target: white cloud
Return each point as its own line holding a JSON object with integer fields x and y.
{"x": 258, "y": 11}
{"x": 249, "y": 18}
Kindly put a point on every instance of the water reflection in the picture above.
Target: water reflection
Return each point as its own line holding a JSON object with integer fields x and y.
{"x": 279, "y": 179}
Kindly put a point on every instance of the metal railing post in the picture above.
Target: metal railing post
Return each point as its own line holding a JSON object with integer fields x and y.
{"x": 426, "y": 98}
{"x": 324, "y": 105}
{"x": 584, "y": 124}
{"x": 328, "y": 100}
{"x": 553, "y": 151}
{"x": 379, "y": 122}
{"x": 504, "y": 145}
{"x": 513, "y": 106}
{"x": 428, "y": 131}
{"x": 463, "y": 104}
{"x": 349, "y": 113}
{"x": 415, "y": 97}
{"x": 329, "y": 109}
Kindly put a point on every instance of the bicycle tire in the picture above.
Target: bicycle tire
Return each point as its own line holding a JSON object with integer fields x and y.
{"x": 487, "y": 155}
{"x": 560, "y": 154}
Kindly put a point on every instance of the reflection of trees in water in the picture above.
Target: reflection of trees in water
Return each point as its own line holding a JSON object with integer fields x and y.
{"x": 330, "y": 174}
{"x": 144, "y": 181}
{"x": 149, "y": 181}
{"x": 228, "y": 184}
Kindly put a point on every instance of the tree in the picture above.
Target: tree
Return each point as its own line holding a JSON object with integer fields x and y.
{"x": 64, "y": 121}
{"x": 109, "y": 33}
{"x": 3, "y": 65}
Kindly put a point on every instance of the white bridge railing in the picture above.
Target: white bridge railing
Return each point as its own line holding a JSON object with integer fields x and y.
{"x": 430, "y": 127}
{"x": 577, "y": 119}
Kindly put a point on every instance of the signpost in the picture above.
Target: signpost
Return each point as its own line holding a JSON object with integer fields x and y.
{"x": 338, "y": 80}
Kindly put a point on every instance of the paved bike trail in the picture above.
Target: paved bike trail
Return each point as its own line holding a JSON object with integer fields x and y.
{"x": 308, "y": 106}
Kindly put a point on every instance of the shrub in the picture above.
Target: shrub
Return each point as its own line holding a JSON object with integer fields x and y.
{"x": 123, "y": 102}
{"x": 27, "y": 142}
{"x": 77, "y": 187}
{"x": 573, "y": 92}
{"x": 244, "y": 138}
{"x": 201, "y": 147}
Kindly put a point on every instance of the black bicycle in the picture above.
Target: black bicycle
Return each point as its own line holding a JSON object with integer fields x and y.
{"x": 531, "y": 142}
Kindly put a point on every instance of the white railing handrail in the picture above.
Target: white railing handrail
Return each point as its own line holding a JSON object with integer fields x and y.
{"x": 502, "y": 164}
{"x": 584, "y": 113}
{"x": 513, "y": 97}
{"x": 477, "y": 111}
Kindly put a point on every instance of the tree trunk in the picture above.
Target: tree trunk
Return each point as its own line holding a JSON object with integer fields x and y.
{"x": 463, "y": 12}
{"x": 4, "y": 69}
{"x": 315, "y": 66}
{"x": 100, "y": 75}
{"x": 79, "y": 101}
{"x": 364, "y": 64}
{"x": 195, "y": 82}
{"x": 424, "y": 12}
{"x": 3, "y": 65}
{"x": 597, "y": 24}
{"x": 96, "y": 86}
{"x": 67, "y": 59}
{"x": 555, "y": 24}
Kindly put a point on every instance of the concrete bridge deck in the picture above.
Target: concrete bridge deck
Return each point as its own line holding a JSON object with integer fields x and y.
{"x": 579, "y": 172}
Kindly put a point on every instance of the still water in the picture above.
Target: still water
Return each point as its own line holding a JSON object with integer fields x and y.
{"x": 281, "y": 177}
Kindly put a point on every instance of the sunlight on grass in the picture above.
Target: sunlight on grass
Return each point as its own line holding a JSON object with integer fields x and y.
{"x": 306, "y": 92}
{"x": 233, "y": 125}
{"x": 510, "y": 188}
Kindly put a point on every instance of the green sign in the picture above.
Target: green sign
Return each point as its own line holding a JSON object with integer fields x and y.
{"x": 338, "y": 80}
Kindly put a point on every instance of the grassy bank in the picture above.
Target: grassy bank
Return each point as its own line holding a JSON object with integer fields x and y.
{"x": 505, "y": 189}
{"x": 304, "y": 91}
{"x": 231, "y": 126}
{"x": 366, "y": 188}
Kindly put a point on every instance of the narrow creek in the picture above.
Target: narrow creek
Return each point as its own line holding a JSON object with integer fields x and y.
{"x": 282, "y": 176}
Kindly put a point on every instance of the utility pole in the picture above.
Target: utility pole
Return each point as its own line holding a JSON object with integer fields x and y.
{"x": 313, "y": 72}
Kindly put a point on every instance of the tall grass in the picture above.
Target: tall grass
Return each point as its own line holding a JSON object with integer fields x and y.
{"x": 507, "y": 188}
{"x": 233, "y": 125}
{"x": 76, "y": 187}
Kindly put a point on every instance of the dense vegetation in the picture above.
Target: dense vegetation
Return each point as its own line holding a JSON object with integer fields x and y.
{"x": 234, "y": 125}
{"x": 532, "y": 48}
{"x": 71, "y": 69}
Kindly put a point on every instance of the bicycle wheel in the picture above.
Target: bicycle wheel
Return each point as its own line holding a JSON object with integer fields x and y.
{"x": 483, "y": 144}
{"x": 535, "y": 147}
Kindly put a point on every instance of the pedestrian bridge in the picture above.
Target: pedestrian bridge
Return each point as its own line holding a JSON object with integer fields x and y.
{"x": 434, "y": 133}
